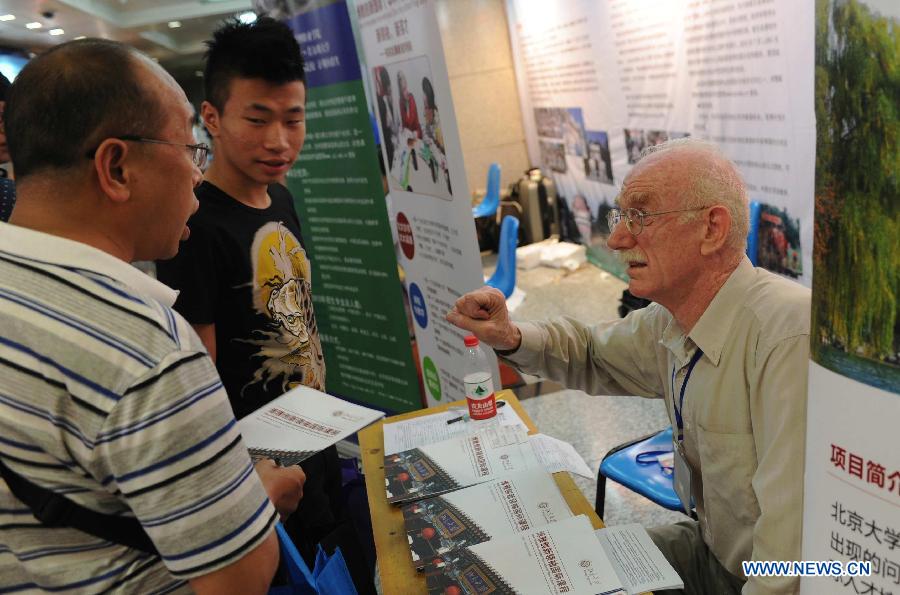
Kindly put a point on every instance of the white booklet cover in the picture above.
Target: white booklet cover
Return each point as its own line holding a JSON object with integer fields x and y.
{"x": 446, "y": 466}
{"x": 473, "y": 515}
{"x": 300, "y": 423}
{"x": 563, "y": 557}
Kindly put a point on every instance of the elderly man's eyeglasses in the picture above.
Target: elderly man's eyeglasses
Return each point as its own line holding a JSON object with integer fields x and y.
{"x": 199, "y": 153}
{"x": 634, "y": 218}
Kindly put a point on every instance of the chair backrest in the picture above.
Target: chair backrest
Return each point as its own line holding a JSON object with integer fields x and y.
{"x": 504, "y": 277}
{"x": 488, "y": 205}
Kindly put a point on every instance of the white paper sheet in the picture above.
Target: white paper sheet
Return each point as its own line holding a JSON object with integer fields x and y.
{"x": 637, "y": 561}
{"x": 556, "y": 455}
{"x": 421, "y": 431}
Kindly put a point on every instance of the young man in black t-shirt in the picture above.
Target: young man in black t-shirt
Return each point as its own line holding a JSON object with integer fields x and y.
{"x": 244, "y": 275}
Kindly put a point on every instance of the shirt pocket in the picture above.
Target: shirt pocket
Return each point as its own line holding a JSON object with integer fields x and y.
{"x": 728, "y": 463}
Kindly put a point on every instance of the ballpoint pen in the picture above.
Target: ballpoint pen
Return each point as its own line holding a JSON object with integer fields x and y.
{"x": 465, "y": 416}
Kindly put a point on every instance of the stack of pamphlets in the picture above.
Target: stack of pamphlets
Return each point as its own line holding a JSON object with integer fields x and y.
{"x": 470, "y": 516}
{"x": 483, "y": 514}
{"x": 563, "y": 557}
{"x": 300, "y": 423}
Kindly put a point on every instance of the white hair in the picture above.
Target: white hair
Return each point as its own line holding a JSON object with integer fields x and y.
{"x": 712, "y": 179}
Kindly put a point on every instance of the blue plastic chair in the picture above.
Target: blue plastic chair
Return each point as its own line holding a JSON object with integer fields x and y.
{"x": 488, "y": 206}
{"x": 635, "y": 466}
{"x": 504, "y": 277}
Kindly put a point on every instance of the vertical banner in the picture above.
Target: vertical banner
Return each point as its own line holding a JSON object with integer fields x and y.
{"x": 426, "y": 177}
{"x": 340, "y": 200}
{"x": 852, "y": 491}
{"x": 600, "y": 80}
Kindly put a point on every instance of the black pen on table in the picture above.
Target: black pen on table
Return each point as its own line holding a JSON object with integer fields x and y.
{"x": 466, "y": 415}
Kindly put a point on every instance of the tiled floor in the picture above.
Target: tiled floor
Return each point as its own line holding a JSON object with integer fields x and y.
{"x": 593, "y": 424}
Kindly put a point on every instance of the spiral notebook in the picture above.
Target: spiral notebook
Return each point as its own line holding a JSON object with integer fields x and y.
{"x": 300, "y": 423}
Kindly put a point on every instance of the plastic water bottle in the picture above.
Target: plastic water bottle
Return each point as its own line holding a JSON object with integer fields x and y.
{"x": 479, "y": 381}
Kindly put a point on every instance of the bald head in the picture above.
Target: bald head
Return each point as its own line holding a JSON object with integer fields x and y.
{"x": 70, "y": 98}
{"x": 697, "y": 175}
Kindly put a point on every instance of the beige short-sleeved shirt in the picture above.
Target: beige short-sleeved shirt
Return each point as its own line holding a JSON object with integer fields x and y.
{"x": 744, "y": 406}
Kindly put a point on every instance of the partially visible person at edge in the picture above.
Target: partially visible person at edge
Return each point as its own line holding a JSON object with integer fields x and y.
{"x": 7, "y": 185}
{"x": 244, "y": 275}
{"x": 725, "y": 344}
{"x": 107, "y": 396}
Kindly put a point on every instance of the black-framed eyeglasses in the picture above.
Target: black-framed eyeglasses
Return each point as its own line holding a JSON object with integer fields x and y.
{"x": 634, "y": 218}
{"x": 199, "y": 152}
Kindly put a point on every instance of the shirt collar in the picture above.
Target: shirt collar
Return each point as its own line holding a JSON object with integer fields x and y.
{"x": 48, "y": 248}
{"x": 714, "y": 326}
{"x": 674, "y": 339}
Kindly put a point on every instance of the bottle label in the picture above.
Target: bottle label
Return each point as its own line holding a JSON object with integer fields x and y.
{"x": 480, "y": 397}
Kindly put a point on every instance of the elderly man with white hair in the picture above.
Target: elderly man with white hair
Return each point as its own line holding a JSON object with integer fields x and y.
{"x": 725, "y": 344}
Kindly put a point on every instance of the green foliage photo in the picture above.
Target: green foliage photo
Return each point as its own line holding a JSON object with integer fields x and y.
{"x": 856, "y": 284}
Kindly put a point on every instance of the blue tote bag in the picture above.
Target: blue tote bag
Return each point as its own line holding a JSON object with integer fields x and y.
{"x": 329, "y": 577}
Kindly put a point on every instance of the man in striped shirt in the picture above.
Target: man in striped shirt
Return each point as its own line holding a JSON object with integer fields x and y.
{"x": 106, "y": 394}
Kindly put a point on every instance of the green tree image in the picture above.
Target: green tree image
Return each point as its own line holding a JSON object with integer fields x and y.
{"x": 856, "y": 283}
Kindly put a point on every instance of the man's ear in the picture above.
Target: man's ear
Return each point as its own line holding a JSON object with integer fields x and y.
{"x": 718, "y": 226}
{"x": 211, "y": 118}
{"x": 111, "y": 162}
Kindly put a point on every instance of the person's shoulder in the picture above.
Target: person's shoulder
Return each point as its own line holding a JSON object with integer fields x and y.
{"x": 781, "y": 306}
{"x": 280, "y": 195}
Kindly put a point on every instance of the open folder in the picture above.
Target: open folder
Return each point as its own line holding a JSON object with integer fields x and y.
{"x": 300, "y": 423}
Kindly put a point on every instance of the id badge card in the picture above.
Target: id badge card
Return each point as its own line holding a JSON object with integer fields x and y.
{"x": 682, "y": 479}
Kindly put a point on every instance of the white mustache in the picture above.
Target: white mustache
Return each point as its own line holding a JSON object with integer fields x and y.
{"x": 632, "y": 255}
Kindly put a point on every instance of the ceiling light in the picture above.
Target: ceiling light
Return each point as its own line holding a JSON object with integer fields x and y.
{"x": 34, "y": 25}
{"x": 247, "y": 17}
{"x": 7, "y": 17}
{"x": 174, "y": 24}
{"x": 56, "y": 31}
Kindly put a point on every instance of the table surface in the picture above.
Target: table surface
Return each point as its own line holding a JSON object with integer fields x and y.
{"x": 394, "y": 561}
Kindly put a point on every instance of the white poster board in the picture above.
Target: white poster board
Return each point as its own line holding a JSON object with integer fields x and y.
{"x": 852, "y": 479}
{"x": 432, "y": 211}
{"x": 601, "y": 79}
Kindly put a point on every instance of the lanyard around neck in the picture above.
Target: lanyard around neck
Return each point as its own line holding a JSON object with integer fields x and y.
{"x": 679, "y": 407}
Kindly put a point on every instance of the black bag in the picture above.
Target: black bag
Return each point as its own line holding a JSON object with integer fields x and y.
{"x": 54, "y": 510}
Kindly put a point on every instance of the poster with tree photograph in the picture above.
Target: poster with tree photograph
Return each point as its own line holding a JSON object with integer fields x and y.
{"x": 852, "y": 493}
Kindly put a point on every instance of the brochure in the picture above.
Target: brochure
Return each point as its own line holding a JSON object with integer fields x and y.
{"x": 639, "y": 564}
{"x": 557, "y": 455}
{"x": 300, "y": 423}
{"x": 563, "y": 557}
{"x": 428, "y": 429}
{"x": 470, "y": 516}
{"x": 460, "y": 462}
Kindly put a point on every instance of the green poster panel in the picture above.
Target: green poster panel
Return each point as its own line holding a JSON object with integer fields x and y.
{"x": 340, "y": 200}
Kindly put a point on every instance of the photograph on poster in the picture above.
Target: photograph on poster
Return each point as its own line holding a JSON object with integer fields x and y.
{"x": 635, "y": 141}
{"x": 581, "y": 213}
{"x": 549, "y": 121}
{"x": 857, "y": 256}
{"x": 598, "y": 163}
{"x": 409, "y": 112}
{"x": 778, "y": 237}
{"x": 573, "y": 130}
{"x": 553, "y": 156}
{"x": 284, "y": 9}
{"x": 656, "y": 137}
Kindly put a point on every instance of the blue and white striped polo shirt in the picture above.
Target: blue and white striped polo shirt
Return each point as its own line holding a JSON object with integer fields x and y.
{"x": 108, "y": 397}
